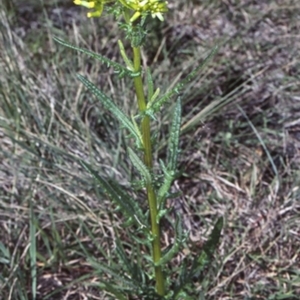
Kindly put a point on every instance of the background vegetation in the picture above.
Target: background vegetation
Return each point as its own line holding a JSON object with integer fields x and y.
{"x": 240, "y": 152}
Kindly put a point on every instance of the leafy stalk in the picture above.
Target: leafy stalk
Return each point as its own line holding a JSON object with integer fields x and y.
{"x": 131, "y": 277}
{"x": 152, "y": 201}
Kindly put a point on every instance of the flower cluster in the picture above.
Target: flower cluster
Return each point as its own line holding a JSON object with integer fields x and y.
{"x": 154, "y": 7}
{"x": 96, "y": 5}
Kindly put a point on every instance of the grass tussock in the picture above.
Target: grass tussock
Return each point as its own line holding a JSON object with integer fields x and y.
{"x": 240, "y": 147}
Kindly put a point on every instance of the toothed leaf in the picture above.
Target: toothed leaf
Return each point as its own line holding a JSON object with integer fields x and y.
{"x": 113, "y": 108}
{"x": 140, "y": 166}
{"x": 150, "y": 85}
{"x": 175, "y": 247}
{"x": 118, "y": 68}
{"x": 173, "y": 147}
{"x": 179, "y": 86}
{"x": 122, "y": 199}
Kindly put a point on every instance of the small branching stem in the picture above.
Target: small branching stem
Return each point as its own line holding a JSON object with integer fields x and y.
{"x": 152, "y": 201}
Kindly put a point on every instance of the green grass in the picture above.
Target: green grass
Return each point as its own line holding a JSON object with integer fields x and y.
{"x": 228, "y": 160}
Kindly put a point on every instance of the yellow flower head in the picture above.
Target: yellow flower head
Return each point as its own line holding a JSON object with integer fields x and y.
{"x": 97, "y": 6}
{"x": 154, "y": 7}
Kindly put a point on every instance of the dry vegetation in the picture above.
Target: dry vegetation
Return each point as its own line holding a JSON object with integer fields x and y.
{"x": 240, "y": 145}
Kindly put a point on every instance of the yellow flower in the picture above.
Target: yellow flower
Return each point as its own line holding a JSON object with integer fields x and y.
{"x": 154, "y": 7}
{"x": 96, "y": 5}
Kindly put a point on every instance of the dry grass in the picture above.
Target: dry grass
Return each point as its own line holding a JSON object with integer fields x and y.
{"x": 240, "y": 153}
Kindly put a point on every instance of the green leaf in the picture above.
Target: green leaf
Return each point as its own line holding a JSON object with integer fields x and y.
{"x": 5, "y": 255}
{"x": 211, "y": 245}
{"x": 173, "y": 150}
{"x": 123, "y": 257}
{"x": 119, "y": 196}
{"x": 179, "y": 86}
{"x": 175, "y": 247}
{"x": 140, "y": 166}
{"x": 164, "y": 188}
{"x": 114, "y": 290}
{"x": 114, "y": 109}
{"x": 133, "y": 269}
{"x": 209, "y": 248}
{"x": 280, "y": 296}
{"x": 173, "y": 147}
{"x": 202, "y": 260}
{"x": 142, "y": 241}
{"x": 139, "y": 216}
{"x": 32, "y": 250}
{"x": 150, "y": 85}
{"x": 118, "y": 68}
{"x": 123, "y": 281}
{"x": 127, "y": 61}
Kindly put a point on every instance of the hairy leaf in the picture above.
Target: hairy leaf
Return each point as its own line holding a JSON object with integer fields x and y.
{"x": 118, "y": 68}
{"x": 201, "y": 261}
{"x": 179, "y": 86}
{"x": 164, "y": 189}
{"x": 119, "y": 196}
{"x": 173, "y": 147}
{"x": 212, "y": 243}
{"x": 150, "y": 85}
{"x": 114, "y": 109}
{"x": 140, "y": 166}
{"x": 175, "y": 247}
{"x": 135, "y": 271}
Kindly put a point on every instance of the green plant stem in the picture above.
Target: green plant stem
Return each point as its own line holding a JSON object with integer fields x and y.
{"x": 152, "y": 202}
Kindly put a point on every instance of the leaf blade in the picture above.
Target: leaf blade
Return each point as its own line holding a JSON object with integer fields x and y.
{"x": 126, "y": 203}
{"x": 179, "y": 86}
{"x": 113, "y": 108}
{"x": 118, "y": 68}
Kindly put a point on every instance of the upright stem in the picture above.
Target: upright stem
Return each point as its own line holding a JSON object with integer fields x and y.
{"x": 155, "y": 228}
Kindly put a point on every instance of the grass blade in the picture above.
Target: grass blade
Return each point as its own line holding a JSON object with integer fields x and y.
{"x": 32, "y": 250}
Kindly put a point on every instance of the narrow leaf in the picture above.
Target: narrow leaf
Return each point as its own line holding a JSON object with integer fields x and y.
{"x": 173, "y": 147}
{"x": 165, "y": 187}
{"x": 211, "y": 245}
{"x": 206, "y": 255}
{"x": 140, "y": 166}
{"x": 123, "y": 257}
{"x": 107, "y": 270}
{"x": 150, "y": 85}
{"x": 173, "y": 150}
{"x": 203, "y": 260}
{"x": 131, "y": 267}
{"x": 112, "y": 290}
{"x": 127, "y": 61}
{"x": 139, "y": 216}
{"x": 113, "y": 108}
{"x": 179, "y": 86}
{"x": 32, "y": 250}
{"x": 124, "y": 202}
{"x": 118, "y": 68}
{"x": 175, "y": 247}
{"x": 5, "y": 255}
